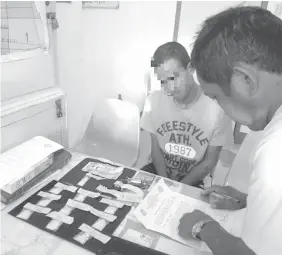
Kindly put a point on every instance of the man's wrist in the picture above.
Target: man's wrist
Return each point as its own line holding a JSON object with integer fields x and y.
{"x": 209, "y": 229}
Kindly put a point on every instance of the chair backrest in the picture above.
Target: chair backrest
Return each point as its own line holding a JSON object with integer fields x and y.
{"x": 240, "y": 171}
{"x": 115, "y": 123}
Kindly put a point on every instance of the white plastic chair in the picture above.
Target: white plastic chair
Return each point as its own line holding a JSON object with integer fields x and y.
{"x": 113, "y": 132}
{"x": 240, "y": 171}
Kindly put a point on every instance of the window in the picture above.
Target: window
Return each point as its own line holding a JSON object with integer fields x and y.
{"x": 23, "y": 29}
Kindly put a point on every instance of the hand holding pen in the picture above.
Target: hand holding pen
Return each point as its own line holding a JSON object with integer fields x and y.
{"x": 225, "y": 198}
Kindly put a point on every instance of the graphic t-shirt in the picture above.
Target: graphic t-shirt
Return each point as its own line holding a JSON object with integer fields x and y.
{"x": 262, "y": 227}
{"x": 185, "y": 134}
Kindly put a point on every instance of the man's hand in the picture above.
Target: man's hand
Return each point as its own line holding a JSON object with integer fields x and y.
{"x": 218, "y": 201}
{"x": 188, "y": 221}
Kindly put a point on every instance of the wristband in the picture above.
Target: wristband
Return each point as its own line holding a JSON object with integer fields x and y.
{"x": 198, "y": 227}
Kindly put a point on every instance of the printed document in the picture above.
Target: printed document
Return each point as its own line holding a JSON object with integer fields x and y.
{"x": 162, "y": 209}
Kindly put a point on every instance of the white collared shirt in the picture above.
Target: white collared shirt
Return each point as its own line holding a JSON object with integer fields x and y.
{"x": 262, "y": 227}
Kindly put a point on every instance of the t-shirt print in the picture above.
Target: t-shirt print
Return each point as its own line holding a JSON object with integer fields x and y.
{"x": 183, "y": 145}
{"x": 184, "y": 134}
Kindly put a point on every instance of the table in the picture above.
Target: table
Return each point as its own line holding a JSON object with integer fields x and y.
{"x": 20, "y": 238}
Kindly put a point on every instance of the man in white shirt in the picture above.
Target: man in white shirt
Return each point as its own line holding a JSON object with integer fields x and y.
{"x": 238, "y": 58}
{"x": 188, "y": 129}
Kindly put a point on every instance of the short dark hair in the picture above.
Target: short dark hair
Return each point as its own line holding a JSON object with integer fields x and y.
{"x": 243, "y": 34}
{"x": 170, "y": 50}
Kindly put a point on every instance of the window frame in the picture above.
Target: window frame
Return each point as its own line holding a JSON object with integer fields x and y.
{"x": 42, "y": 9}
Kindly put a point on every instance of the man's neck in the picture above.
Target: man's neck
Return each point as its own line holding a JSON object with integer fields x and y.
{"x": 192, "y": 95}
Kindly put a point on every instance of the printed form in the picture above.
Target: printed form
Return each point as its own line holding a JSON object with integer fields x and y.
{"x": 162, "y": 210}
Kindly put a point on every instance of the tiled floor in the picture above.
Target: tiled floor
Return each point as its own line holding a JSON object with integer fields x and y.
{"x": 221, "y": 171}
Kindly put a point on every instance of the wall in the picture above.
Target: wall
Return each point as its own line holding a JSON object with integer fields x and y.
{"x": 102, "y": 53}
{"x": 193, "y": 14}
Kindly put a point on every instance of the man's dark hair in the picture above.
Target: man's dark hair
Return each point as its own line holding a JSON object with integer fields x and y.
{"x": 243, "y": 34}
{"x": 170, "y": 50}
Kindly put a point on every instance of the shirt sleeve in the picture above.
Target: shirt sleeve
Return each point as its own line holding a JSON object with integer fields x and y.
{"x": 223, "y": 133}
{"x": 146, "y": 121}
{"x": 262, "y": 228}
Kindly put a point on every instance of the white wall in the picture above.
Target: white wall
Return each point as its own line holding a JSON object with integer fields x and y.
{"x": 194, "y": 13}
{"x": 102, "y": 53}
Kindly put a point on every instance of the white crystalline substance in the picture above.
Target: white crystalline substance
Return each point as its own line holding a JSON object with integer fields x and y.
{"x": 78, "y": 205}
{"x": 37, "y": 208}
{"x": 44, "y": 202}
{"x": 88, "y": 193}
{"x": 103, "y": 215}
{"x": 24, "y": 214}
{"x": 56, "y": 190}
{"x": 54, "y": 225}
{"x": 79, "y": 197}
{"x": 82, "y": 237}
{"x": 49, "y": 196}
{"x": 66, "y": 187}
{"x": 94, "y": 233}
{"x": 61, "y": 217}
{"x": 100, "y": 224}
{"x": 83, "y": 181}
{"x": 114, "y": 203}
{"x": 111, "y": 210}
{"x": 67, "y": 210}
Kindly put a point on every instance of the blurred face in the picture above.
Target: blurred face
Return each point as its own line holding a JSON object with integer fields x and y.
{"x": 175, "y": 79}
{"x": 249, "y": 100}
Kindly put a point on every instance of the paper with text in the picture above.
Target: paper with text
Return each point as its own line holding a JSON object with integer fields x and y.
{"x": 162, "y": 209}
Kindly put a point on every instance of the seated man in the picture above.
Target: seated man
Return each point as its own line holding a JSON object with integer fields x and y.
{"x": 188, "y": 129}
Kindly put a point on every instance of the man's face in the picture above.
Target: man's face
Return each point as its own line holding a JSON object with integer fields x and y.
{"x": 175, "y": 79}
{"x": 243, "y": 107}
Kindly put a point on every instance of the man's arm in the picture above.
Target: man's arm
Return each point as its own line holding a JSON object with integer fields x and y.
{"x": 203, "y": 168}
{"x": 221, "y": 242}
{"x": 158, "y": 157}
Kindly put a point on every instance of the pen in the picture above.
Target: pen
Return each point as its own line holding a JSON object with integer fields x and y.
{"x": 227, "y": 197}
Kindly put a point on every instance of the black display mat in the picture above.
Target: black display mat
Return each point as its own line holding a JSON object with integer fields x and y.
{"x": 67, "y": 232}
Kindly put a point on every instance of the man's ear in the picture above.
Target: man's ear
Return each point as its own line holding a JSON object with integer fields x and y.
{"x": 244, "y": 80}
